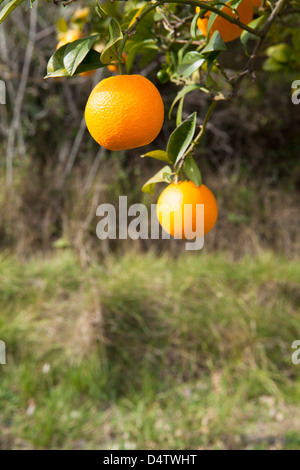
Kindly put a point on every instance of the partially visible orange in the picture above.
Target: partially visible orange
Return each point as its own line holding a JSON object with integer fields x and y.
{"x": 256, "y": 3}
{"x": 124, "y": 112}
{"x": 171, "y": 209}
{"x": 227, "y": 30}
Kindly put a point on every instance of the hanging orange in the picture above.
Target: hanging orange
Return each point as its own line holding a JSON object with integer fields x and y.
{"x": 179, "y": 219}
{"x": 124, "y": 112}
{"x": 227, "y": 30}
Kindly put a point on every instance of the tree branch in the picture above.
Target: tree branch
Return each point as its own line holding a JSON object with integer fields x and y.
{"x": 249, "y": 67}
{"x": 20, "y": 96}
{"x": 195, "y": 3}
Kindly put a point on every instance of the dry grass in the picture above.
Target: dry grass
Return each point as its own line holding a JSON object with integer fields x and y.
{"x": 141, "y": 351}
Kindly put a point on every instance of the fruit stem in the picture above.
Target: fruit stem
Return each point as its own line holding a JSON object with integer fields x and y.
{"x": 122, "y": 45}
{"x": 120, "y": 68}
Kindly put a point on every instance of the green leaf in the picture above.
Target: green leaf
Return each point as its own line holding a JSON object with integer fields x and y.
{"x": 245, "y": 36}
{"x": 211, "y": 20}
{"x": 190, "y": 62}
{"x": 147, "y": 56}
{"x": 143, "y": 48}
{"x": 194, "y": 27}
{"x": 183, "y": 92}
{"x": 271, "y": 65}
{"x": 234, "y": 4}
{"x": 215, "y": 43}
{"x": 100, "y": 12}
{"x": 158, "y": 155}
{"x": 62, "y": 243}
{"x": 192, "y": 171}
{"x": 181, "y": 138}
{"x": 110, "y": 52}
{"x": 179, "y": 112}
{"x": 163, "y": 176}
{"x": 142, "y": 42}
{"x": 8, "y": 8}
{"x": 57, "y": 73}
{"x": 91, "y": 62}
{"x": 62, "y": 25}
{"x": 56, "y": 68}
{"x": 281, "y": 53}
{"x": 76, "y": 51}
{"x": 56, "y": 62}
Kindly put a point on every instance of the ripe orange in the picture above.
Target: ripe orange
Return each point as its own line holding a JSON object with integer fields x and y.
{"x": 171, "y": 209}
{"x": 227, "y": 30}
{"x": 124, "y": 112}
{"x": 256, "y": 3}
{"x": 70, "y": 36}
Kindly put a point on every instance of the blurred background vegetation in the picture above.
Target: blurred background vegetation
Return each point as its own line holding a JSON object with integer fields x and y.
{"x": 140, "y": 344}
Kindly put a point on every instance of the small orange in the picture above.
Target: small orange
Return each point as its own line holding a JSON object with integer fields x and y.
{"x": 227, "y": 30}
{"x": 124, "y": 112}
{"x": 114, "y": 68}
{"x": 70, "y": 36}
{"x": 171, "y": 209}
{"x": 256, "y": 3}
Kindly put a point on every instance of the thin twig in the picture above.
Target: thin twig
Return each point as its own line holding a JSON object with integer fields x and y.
{"x": 75, "y": 147}
{"x": 20, "y": 95}
{"x": 11, "y": 90}
{"x": 94, "y": 170}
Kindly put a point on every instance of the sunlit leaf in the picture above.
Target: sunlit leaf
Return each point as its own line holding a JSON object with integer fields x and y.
{"x": 158, "y": 155}
{"x": 163, "y": 176}
{"x": 8, "y": 8}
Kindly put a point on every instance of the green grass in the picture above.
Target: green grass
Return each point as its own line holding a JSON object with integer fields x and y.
{"x": 149, "y": 352}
